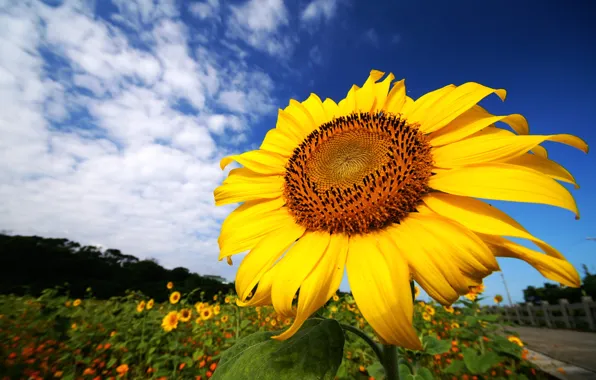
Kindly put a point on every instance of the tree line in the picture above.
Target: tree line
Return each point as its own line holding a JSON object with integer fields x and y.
{"x": 30, "y": 264}
{"x": 554, "y": 292}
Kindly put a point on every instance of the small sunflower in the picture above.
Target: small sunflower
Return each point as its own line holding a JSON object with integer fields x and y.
{"x": 454, "y": 325}
{"x": 174, "y": 297}
{"x": 170, "y": 285}
{"x": 184, "y": 315}
{"x": 429, "y": 309}
{"x": 228, "y": 299}
{"x": 387, "y": 187}
{"x": 170, "y": 321}
{"x": 67, "y": 303}
{"x": 141, "y": 306}
{"x": 416, "y": 291}
{"x": 150, "y": 304}
{"x": 516, "y": 340}
{"x": 199, "y": 306}
{"x": 273, "y": 322}
{"x": 224, "y": 318}
{"x": 498, "y": 298}
{"x": 77, "y": 302}
{"x": 335, "y": 298}
{"x": 206, "y": 313}
{"x": 448, "y": 309}
{"x": 426, "y": 316}
{"x": 333, "y": 309}
{"x": 471, "y": 296}
{"x": 216, "y": 309}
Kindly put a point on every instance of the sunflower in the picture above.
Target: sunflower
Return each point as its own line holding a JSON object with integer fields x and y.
{"x": 141, "y": 306}
{"x": 448, "y": 309}
{"x": 224, "y": 318}
{"x": 184, "y": 315}
{"x": 429, "y": 309}
{"x": 498, "y": 298}
{"x": 170, "y": 321}
{"x": 416, "y": 291}
{"x": 516, "y": 340}
{"x": 454, "y": 325}
{"x": 206, "y": 313}
{"x": 174, "y": 297}
{"x": 426, "y": 316}
{"x": 170, "y": 285}
{"x": 77, "y": 302}
{"x": 335, "y": 298}
{"x": 216, "y": 309}
{"x": 228, "y": 299}
{"x": 150, "y": 304}
{"x": 199, "y": 306}
{"x": 471, "y": 296}
{"x": 386, "y": 187}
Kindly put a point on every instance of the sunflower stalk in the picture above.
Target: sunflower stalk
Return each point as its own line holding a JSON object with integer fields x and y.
{"x": 390, "y": 361}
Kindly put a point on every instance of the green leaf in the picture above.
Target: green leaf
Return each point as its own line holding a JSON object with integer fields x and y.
{"x": 245, "y": 323}
{"x": 188, "y": 361}
{"x": 376, "y": 370}
{"x": 479, "y": 364}
{"x": 424, "y": 374}
{"x": 434, "y": 346}
{"x": 111, "y": 362}
{"x": 490, "y": 318}
{"x": 314, "y": 352}
{"x": 504, "y": 346}
{"x": 455, "y": 367}
{"x": 404, "y": 371}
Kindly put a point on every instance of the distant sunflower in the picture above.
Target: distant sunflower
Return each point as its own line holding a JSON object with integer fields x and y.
{"x": 141, "y": 306}
{"x": 454, "y": 325}
{"x": 206, "y": 313}
{"x": 170, "y": 285}
{"x": 448, "y": 309}
{"x": 380, "y": 184}
{"x": 224, "y": 318}
{"x": 199, "y": 306}
{"x": 416, "y": 291}
{"x": 426, "y": 316}
{"x": 184, "y": 315}
{"x": 216, "y": 309}
{"x": 516, "y": 340}
{"x": 498, "y": 298}
{"x": 150, "y": 304}
{"x": 77, "y": 302}
{"x": 170, "y": 321}
{"x": 174, "y": 297}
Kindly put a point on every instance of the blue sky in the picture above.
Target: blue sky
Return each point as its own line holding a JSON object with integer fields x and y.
{"x": 114, "y": 114}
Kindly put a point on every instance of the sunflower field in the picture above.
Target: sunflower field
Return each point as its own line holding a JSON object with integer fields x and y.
{"x": 131, "y": 337}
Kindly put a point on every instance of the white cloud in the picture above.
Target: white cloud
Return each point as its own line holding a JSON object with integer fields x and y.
{"x": 258, "y": 23}
{"x": 205, "y": 9}
{"x": 111, "y": 137}
{"x": 318, "y": 10}
{"x": 371, "y": 37}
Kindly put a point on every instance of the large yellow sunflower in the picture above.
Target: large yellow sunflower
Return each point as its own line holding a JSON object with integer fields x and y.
{"x": 386, "y": 186}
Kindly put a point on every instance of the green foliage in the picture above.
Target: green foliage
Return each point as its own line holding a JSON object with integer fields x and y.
{"x": 314, "y": 352}
{"x": 30, "y": 264}
{"x": 479, "y": 363}
{"x": 433, "y": 346}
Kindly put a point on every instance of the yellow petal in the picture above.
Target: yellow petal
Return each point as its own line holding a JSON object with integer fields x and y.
{"x": 540, "y": 151}
{"x": 315, "y": 107}
{"x": 381, "y": 90}
{"x": 294, "y": 267}
{"x": 415, "y": 111}
{"x": 331, "y": 109}
{"x": 245, "y": 185}
{"x": 460, "y": 245}
{"x": 553, "y": 268}
{"x": 544, "y": 166}
{"x": 262, "y": 257}
{"x": 490, "y": 148}
{"x": 504, "y": 182}
{"x": 397, "y": 98}
{"x": 278, "y": 141}
{"x": 380, "y": 282}
{"x": 259, "y": 161}
{"x": 262, "y": 295}
{"x": 365, "y": 96}
{"x": 302, "y": 117}
{"x": 408, "y": 239}
{"x": 472, "y": 121}
{"x": 248, "y": 224}
{"x": 453, "y": 104}
{"x": 481, "y": 217}
{"x": 321, "y": 284}
{"x": 348, "y": 105}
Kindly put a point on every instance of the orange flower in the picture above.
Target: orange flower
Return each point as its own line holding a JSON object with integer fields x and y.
{"x": 181, "y": 366}
{"x": 122, "y": 369}
{"x": 88, "y": 371}
{"x": 170, "y": 285}
{"x": 213, "y": 366}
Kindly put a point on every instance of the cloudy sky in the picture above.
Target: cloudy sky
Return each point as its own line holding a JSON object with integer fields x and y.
{"x": 114, "y": 113}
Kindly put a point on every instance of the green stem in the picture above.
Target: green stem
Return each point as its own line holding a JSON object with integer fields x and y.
{"x": 237, "y": 322}
{"x": 374, "y": 345}
{"x": 390, "y": 362}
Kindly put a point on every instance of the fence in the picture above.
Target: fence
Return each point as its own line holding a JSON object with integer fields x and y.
{"x": 578, "y": 316}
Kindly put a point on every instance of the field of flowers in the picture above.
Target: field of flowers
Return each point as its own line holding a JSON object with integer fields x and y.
{"x": 132, "y": 337}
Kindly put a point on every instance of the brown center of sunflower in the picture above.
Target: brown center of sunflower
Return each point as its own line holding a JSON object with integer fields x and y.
{"x": 357, "y": 174}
